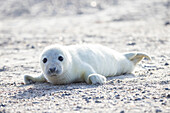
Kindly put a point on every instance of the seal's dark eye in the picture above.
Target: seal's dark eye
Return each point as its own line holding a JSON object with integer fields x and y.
{"x": 44, "y": 60}
{"x": 60, "y": 58}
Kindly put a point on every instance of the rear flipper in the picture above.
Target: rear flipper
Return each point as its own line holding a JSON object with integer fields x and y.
{"x": 135, "y": 57}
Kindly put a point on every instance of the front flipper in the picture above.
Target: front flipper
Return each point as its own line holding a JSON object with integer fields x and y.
{"x": 96, "y": 79}
{"x": 135, "y": 57}
{"x": 31, "y": 79}
{"x": 91, "y": 77}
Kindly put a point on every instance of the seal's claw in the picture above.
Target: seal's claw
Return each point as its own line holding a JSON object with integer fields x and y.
{"x": 97, "y": 79}
{"x": 27, "y": 79}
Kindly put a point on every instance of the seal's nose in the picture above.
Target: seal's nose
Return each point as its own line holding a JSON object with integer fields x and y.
{"x": 52, "y": 70}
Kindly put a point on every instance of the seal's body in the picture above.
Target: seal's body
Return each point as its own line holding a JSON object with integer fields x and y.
{"x": 89, "y": 63}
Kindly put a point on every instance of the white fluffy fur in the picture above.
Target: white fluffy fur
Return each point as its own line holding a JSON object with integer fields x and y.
{"x": 89, "y": 63}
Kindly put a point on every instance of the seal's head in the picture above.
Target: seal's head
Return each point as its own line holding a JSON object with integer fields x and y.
{"x": 54, "y": 63}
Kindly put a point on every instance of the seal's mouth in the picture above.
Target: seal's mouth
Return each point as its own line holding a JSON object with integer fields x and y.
{"x": 54, "y": 71}
{"x": 53, "y": 75}
{"x": 57, "y": 73}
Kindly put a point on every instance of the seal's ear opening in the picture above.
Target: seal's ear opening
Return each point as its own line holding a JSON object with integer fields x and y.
{"x": 136, "y": 57}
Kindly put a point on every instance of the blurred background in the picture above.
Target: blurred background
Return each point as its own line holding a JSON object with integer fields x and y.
{"x": 48, "y": 8}
{"x": 41, "y": 8}
{"x": 77, "y": 21}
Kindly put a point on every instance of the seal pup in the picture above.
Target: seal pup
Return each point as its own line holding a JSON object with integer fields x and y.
{"x": 78, "y": 63}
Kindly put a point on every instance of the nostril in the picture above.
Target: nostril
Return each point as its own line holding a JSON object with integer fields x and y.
{"x": 52, "y": 70}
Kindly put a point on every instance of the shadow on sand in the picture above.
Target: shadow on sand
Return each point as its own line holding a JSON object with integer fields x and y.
{"x": 46, "y": 89}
